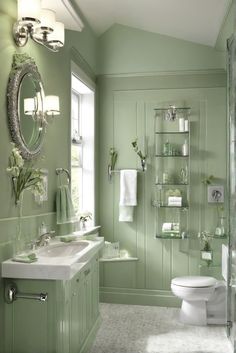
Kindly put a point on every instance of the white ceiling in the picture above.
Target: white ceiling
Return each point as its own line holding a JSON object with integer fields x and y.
{"x": 193, "y": 20}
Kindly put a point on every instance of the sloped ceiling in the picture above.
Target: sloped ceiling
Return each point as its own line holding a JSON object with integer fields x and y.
{"x": 197, "y": 21}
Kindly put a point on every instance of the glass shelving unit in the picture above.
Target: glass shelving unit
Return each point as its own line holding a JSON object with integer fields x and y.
{"x": 172, "y": 177}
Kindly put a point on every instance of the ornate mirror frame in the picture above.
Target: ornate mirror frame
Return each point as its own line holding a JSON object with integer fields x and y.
{"x": 21, "y": 66}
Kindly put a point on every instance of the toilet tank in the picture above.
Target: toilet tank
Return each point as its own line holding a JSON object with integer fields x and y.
{"x": 224, "y": 262}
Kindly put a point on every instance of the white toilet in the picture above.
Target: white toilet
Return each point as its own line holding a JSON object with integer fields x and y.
{"x": 203, "y": 297}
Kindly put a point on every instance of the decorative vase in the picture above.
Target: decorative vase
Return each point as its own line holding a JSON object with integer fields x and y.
{"x": 18, "y": 239}
{"x": 83, "y": 225}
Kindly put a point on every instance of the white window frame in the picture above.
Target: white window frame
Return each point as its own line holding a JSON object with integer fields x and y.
{"x": 87, "y": 131}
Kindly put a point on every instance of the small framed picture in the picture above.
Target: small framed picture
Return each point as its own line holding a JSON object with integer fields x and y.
{"x": 215, "y": 193}
{"x": 207, "y": 255}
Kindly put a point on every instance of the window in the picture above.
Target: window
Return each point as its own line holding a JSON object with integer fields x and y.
{"x": 76, "y": 152}
{"x": 82, "y": 145}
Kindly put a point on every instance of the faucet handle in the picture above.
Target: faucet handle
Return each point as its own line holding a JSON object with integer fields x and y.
{"x": 31, "y": 245}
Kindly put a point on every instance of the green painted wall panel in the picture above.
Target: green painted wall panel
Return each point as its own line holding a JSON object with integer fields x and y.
{"x": 159, "y": 260}
{"x": 55, "y": 71}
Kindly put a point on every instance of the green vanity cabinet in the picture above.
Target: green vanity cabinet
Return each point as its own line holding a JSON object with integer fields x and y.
{"x": 66, "y": 323}
{"x": 84, "y": 304}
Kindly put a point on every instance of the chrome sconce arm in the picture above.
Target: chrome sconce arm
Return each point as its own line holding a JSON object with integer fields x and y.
{"x": 22, "y": 32}
{"x": 39, "y": 24}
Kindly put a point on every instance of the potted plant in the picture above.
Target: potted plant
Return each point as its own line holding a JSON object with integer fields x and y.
{"x": 84, "y": 217}
{"x": 140, "y": 154}
{"x": 206, "y": 252}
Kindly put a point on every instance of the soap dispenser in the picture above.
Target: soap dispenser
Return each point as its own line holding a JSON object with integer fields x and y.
{"x": 42, "y": 229}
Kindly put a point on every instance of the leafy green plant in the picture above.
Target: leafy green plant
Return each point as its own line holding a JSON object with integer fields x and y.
{"x": 84, "y": 217}
{"x": 208, "y": 180}
{"x": 137, "y": 150}
{"x": 205, "y": 238}
{"x": 23, "y": 175}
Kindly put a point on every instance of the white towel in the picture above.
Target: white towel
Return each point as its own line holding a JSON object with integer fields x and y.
{"x": 128, "y": 194}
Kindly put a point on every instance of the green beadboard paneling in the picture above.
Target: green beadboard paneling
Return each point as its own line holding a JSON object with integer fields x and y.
{"x": 126, "y": 111}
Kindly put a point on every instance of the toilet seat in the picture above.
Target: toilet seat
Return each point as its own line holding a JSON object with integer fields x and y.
{"x": 194, "y": 281}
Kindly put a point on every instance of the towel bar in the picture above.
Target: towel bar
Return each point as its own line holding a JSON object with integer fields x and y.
{"x": 110, "y": 171}
{"x": 63, "y": 170}
{"x": 11, "y": 294}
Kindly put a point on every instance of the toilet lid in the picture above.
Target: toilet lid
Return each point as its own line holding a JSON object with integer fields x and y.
{"x": 194, "y": 281}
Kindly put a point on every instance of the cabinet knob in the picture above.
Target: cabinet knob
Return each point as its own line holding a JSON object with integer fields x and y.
{"x": 77, "y": 280}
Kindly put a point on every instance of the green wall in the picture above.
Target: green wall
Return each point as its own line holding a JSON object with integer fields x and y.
{"x": 138, "y": 72}
{"x": 128, "y": 50}
{"x": 121, "y": 50}
{"x": 55, "y": 72}
{"x": 126, "y": 111}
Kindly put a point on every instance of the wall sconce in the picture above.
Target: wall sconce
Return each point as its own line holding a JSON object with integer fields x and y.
{"x": 38, "y": 24}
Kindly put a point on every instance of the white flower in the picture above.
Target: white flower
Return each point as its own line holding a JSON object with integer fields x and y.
{"x": 14, "y": 171}
{"x": 17, "y": 156}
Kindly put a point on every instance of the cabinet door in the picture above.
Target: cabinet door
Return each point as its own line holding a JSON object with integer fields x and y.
{"x": 77, "y": 318}
{"x": 95, "y": 289}
{"x": 88, "y": 296}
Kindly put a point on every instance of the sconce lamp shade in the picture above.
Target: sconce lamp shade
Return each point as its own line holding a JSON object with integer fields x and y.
{"x": 57, "y": 37}
{"x": 29, "y": 11}
{"x": 52, "y": 106}
{"x": 29, "y": 106}
{"x": 47, "y": 20}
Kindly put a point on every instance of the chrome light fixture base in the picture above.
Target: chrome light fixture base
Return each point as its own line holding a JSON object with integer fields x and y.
{"x": 22, "y": 31}
{"x": 39, "y": 24}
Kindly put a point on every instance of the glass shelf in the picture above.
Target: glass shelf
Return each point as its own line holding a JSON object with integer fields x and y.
{"x": 156, "y": 204}
{"x": 219, "y": 237}
{"x": 172, "y": 132}
{"x": 169, "y": 236}
{"x": 171, "y": 184}
{"x": 164, "y": 156}
{"x": 180, "y": 109}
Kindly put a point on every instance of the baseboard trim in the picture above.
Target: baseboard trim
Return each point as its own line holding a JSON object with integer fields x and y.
{"x": 138, "y": 297}
{"x": 91, "y": 336}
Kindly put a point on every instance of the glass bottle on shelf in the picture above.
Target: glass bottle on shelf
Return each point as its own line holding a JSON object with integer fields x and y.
{"x": 185, "y": 148}
{"x": 167, "y": 148}
{"x": 184, "y": 175}
{"x": 220, "y": 228}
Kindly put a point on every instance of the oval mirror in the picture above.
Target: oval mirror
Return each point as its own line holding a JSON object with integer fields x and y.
{"x": 25, "y": 106}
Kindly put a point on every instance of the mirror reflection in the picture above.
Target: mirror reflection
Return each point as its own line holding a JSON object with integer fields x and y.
{"x": 30, "y": 110}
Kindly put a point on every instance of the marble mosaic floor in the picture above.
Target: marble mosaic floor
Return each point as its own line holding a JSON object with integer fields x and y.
{"x": 148, "y": 329}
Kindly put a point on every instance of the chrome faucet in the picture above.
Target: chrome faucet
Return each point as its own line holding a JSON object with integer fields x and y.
{"x": 44, "y": 238}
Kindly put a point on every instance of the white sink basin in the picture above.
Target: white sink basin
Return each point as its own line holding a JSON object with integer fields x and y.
{"x": 57, "y": 261}
{"x": 62, "y": 250}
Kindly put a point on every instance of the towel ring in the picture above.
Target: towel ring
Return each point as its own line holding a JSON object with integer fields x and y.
{"x": 63, "y": 170}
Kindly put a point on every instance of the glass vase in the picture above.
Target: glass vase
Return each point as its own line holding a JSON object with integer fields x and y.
{"x": 18, "y": 245}
{"x": 220, "y": 228}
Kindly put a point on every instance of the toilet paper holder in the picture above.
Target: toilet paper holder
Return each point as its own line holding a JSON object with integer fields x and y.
{"x": 12, "y": 294}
